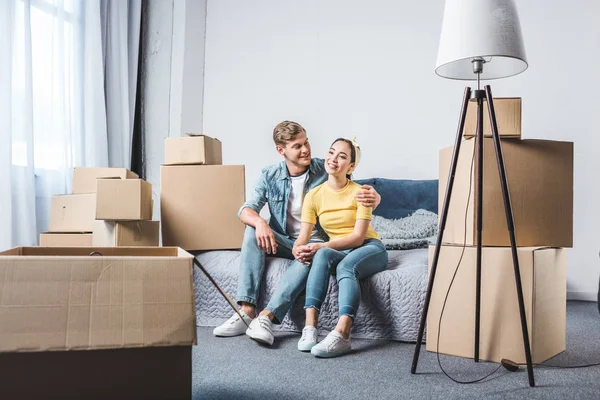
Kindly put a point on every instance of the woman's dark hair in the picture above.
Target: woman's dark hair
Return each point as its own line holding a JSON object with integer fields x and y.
{"x": 352, "y": 152}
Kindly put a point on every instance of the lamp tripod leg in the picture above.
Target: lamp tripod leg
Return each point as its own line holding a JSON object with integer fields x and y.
{"x": 441, "y": 227}
{"x": 511, "y": 231}
{"x": 479, "y": 95}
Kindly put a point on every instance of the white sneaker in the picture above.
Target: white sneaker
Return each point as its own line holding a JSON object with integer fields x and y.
{"x": 260, "y": 330}
{"x": 332, "y": 346}
{"x": 308, "y": 339}
{"x": 234, "y": 326}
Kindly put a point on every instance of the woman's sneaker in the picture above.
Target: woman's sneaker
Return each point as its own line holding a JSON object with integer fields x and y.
{"x": 333, "y": 345}
{"x": 308, "y": 339}
{"x": 260, "y": 330}
{"x": 234, "y": 326}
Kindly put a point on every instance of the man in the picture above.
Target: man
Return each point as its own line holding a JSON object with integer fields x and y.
{"x": 282, "y": 186}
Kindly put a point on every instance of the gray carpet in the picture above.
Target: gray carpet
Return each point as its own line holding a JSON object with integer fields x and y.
{"x": 239, "y": 368}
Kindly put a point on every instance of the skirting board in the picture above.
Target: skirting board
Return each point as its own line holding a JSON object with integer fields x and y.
{"x": 585, "y": 296}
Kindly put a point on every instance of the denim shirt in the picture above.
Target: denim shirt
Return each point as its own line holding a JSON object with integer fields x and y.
{"x": 273, "y": 188}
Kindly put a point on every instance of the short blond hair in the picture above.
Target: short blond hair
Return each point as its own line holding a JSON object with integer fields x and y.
{"x": 286, "y": 131}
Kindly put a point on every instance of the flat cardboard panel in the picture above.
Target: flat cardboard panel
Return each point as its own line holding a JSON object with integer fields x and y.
{"x": 65, "y": 239}
{"x": 550, "y": 313}
{"x": 72, "y": 213}
{"x": 194, "y": 149}
{"x": 126, "y": 233}
{"x": 141, "y": 373}
{"x": 124, "y": 200}
{"x": 84, "y": 179}
{"x": 107, "y": 251}
{"x": 64, "y": 299}
{"x": 540, "y": 182}
{"x": 543, "y": 278}
{"x": 508, "y": 118}
{"x": 199, "y": 206}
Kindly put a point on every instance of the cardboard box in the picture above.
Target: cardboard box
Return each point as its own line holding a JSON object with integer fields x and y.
{"x": 65, "y": 239}
{"x": 540, "y": 183}
{"x": 508, "y": 118}
{"x": 84, "y": 179}
{"x": 199, "y": 206}
{"x": 124, "y": 199}
{"x": 193, "y": 149}
{"x": 72, "y": 213}
{"x": 544, "y": 283}
{"x": 71, "y": 323}
{"x": 125, "y": 233}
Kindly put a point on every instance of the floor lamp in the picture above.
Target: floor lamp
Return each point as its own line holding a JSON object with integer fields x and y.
{"x": 480, "y": 39}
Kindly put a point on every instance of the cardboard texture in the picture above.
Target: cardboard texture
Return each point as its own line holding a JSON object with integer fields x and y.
{"x": 124, "y": 199}
{"x": 543, "y": 278}
{"x": 508, "y": 118}
{"x": 540, "y": 183}
{"x": 199, "y": 206}
{"x": 84, "y": 179}
{"x": 65, "y": 239}
{"x": 125, "y": 233}
{"x": 127, "y": 316}
{"x": 193, "y": 149}
{"x": 72, "y": 213}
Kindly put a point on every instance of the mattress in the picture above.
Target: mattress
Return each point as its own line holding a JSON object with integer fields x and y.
{"x": 390, "y": 307}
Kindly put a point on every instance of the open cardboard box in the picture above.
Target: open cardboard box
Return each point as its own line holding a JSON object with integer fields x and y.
{"x": 120, "y": 323}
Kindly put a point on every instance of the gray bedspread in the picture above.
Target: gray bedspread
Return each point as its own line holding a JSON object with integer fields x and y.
{"x": 390, "y": 307}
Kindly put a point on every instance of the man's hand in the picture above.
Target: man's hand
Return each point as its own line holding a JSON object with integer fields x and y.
{"x": 368, "y": 196}
{"x": 265, "y": 238}
{"x": 305, "y": 253}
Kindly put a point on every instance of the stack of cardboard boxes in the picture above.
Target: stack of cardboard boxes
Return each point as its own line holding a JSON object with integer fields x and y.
{"x": 540, "y": 182}
{"x": 200, "y": 197}
{"x": 109, "y": 207}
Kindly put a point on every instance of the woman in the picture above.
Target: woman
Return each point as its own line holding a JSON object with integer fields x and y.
{"x": 353, "y": 252}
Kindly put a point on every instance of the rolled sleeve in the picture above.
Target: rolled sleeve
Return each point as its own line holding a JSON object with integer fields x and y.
{"x": 259, "y": 197}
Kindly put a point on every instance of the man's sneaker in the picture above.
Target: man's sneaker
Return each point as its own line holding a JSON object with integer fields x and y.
{"x": 234, "y": 326}
{"x": 260, "y": 330}
{"x": 308, "y": 339}
{"x": 332, "y": 346}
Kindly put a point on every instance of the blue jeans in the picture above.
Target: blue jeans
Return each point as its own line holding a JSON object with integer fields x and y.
{"x": 349, "y": 266}
{"x": 252, "y": 267}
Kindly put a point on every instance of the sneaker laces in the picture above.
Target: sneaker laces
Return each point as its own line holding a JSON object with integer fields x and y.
{"x": 306, "y": 335}
{"x": 265, "y": 323}
{"x": 233, "y": 319}
{"x": 330, "y": 340}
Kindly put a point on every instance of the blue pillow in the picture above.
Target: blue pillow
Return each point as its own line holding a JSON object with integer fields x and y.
{"x": 402, "y": 197}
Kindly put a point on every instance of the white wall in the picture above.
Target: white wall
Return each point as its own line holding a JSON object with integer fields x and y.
{"x": 349, "y": 67}
{"x": 172, "y": 78}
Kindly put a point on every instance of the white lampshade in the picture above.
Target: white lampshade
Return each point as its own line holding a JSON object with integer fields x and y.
{"x": 480, "y": 28}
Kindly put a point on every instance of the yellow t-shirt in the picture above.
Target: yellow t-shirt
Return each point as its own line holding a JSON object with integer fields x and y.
{"x": 337, "y": 210}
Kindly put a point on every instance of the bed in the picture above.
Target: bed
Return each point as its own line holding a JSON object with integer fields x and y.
{"x": 391, "y": 301}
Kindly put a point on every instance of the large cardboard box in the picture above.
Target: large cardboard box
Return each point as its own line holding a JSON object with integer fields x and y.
{"x": 193, "y": 149}
{"x": 124, "y": 199}
{"x": 508, "y": 118}
{"x": 49, "y": 239}
{"x": 540, "y": 183}
{"x": 72, "y": 213}
{"x": 121, "y": 324}
{"x": 84, "y": 179}
{"x": 125, "y": 233}
{"x": 199, "y": 205}
{"x": 544, "y": 280}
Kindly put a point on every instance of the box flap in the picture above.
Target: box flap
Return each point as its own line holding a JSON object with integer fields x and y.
{"x": 200, "y": 135}
{"x": 64, "y": 299}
